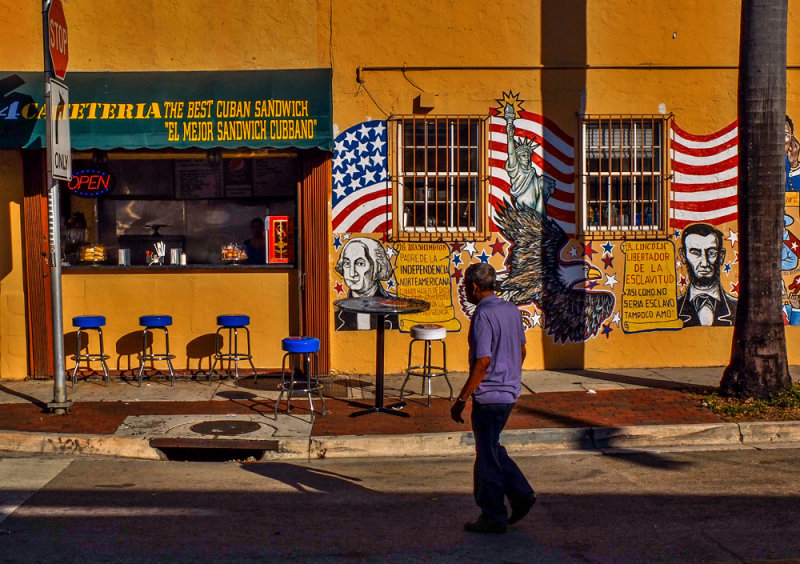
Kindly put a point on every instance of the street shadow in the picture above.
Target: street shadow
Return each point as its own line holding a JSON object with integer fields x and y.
{"x": 26, "y": 397}
{"x": 306, "y": 479}
{"x": 251, "y": 401}
{"x": 316, "y": 515}
{"x": 638, "y": 380}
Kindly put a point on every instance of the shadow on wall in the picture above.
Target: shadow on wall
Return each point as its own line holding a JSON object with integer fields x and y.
{"x": 563, "y": 48}
{"x": 16, "y": 134}
{"x": 202, "y": 349}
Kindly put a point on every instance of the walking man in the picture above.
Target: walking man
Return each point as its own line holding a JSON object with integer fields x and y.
{"x": 496, "y": 352}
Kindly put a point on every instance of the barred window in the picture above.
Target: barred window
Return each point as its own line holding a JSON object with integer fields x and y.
{"x": 625, "y": 173}
{"x": 439, "y": 175}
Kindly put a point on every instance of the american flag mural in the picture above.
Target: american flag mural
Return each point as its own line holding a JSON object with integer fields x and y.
{"x": 554, "y": 158}
{"x": 705, "y": 181}
{"x": 362, "y": 199}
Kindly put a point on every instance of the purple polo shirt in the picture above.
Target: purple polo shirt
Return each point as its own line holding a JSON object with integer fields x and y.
{"x": 496, "y": 331}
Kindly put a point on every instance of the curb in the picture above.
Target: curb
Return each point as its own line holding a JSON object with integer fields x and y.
{"x": 759, "y": 434}
{"x": 78, "y": 445}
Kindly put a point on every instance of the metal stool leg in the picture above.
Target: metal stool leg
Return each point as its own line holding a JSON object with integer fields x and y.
{"x": 319, "y": 387}
{"x": 169, "y": 361}
{"x": 77, "y": 358}
{"x": 217, "y": 355}
{"x": 408, "y": 368}
{"x": 444, "y": 369}
{"x": 103, "y": 355}
{"x": 143, "y": 356}
{"x": 250, "y": 356}
{"x": 281, "y": 386}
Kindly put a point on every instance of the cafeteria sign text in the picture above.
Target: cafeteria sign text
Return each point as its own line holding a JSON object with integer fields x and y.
{"x": 252, "y": 109}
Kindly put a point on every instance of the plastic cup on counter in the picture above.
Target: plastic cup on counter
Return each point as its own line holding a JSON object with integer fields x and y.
{"x": 175, "y": 256}
{"x": 124, "y": 257}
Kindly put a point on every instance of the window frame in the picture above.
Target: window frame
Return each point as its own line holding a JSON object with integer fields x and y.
{"x": 659, "y": 230}
{"x": 397, "y": 173}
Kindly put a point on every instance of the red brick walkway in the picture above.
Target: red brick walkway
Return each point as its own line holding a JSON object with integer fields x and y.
{"x": 611, "y": 408}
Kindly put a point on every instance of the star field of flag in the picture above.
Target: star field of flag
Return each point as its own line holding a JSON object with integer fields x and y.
{"x": 362, "y": 200}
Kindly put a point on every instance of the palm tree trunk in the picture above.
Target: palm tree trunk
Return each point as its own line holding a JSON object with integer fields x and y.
{"x": 758, "y": 365}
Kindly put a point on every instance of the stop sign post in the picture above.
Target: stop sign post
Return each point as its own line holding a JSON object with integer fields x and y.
{"x": 57, "y": 40}
{"x": 59, "y": 166}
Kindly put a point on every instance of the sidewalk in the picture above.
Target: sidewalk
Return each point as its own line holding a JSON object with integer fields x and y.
{"x": 559, "y": 410}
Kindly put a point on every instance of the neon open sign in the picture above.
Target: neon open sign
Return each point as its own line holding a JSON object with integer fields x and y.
{"x": 91, "y": 183}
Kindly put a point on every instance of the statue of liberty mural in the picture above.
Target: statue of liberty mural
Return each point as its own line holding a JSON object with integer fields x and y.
{"x": 528, "y": 187}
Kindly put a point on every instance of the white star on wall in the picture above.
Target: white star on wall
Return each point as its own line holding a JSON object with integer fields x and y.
{"x": 733, "y": 237}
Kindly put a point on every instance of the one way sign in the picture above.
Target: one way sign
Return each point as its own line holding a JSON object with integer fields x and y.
{"x": 58, "y": 142}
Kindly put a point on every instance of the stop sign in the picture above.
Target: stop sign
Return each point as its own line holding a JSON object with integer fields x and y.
{"x": 57, "y": 38}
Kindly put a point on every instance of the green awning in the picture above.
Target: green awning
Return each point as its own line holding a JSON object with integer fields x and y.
{"x": 175, "y": 110}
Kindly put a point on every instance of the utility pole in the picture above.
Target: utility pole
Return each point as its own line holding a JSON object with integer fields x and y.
{"x": 59, "y": 165}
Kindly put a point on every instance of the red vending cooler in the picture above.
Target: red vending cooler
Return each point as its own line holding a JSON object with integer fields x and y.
{"x": 280, "y": 239}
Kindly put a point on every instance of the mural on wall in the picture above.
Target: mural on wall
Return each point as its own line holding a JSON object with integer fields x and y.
{"x": 649, "y": 291}
{"x": 536, "y": 271}
{"x": 792, "y": 158}
{"x": 422, "y": 271}
{"x": 363, "y": 265}
{"x": 361, "y": 203}
{"x": 791, "y": 244}
{"x": 531, "y": 158}
{"x": 704, "y": 194}
{"x": 562, "y": 285}
{"x": 704, "y": 302}
{"x": 362, "y": 198}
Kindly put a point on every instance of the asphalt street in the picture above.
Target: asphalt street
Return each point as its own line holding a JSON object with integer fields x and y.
{"x": 718, "y": 506}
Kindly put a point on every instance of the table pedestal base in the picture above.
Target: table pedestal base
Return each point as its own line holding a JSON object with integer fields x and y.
{"x": 393, "y": 409}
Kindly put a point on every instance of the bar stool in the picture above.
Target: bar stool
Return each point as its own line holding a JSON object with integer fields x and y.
{"x": 150, "y": 323}
{"x": 300, "y": 349}
{"x": 84, "y": 323}
{"x": 427, "y": 334}
{"x": 233, "y": 323}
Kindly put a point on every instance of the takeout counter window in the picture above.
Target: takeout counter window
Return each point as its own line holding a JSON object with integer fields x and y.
{"x": 213, "y": 209}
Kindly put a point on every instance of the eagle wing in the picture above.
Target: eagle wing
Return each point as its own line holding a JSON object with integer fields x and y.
{"x": 536, "y": 242}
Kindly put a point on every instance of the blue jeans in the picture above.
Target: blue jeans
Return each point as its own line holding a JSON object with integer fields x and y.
{"x": 496, "y": 475}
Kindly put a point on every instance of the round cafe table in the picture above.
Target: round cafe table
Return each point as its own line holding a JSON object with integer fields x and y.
{"x": 380, "y": 307}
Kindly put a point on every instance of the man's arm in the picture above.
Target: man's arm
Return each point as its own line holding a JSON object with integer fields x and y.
{"x": 522, "y": 356}
{"x": 476, "y": 376}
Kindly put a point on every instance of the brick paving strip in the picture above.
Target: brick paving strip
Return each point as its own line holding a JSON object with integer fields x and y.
{"x": 610, "y": 408}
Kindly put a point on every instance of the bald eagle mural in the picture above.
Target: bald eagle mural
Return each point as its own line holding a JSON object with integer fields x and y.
{"x": 564, "y": 290}
{"x": 536, "y": 273}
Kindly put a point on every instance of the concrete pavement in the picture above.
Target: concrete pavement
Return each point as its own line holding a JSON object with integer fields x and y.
{"x": 559, "y": 410}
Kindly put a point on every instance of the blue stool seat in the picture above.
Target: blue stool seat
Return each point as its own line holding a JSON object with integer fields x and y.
{"x": 155, "y": 320}
{"x": 89, "y": 321}
{"x": 232, "y": 323}
{"x": 233, "y": 320}
{"x": 301, "y": 352}
{"x": 95, "y": 323}
{"x": 300, "y": 344}
{"x": 150, "y": 322}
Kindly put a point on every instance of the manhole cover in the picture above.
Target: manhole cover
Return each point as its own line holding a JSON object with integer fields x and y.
{"x": 228, "y": 428}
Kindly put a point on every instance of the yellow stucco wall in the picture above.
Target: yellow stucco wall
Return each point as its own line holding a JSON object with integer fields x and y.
{"x": 13, "y": 348}
{"x": 194, "y": 300}
{"x": 467, "y": 54}
{"x": 468, "y": 58}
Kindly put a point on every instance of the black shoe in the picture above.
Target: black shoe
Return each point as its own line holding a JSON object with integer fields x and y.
{"x": 484, "y": 525}
{"x": 520, "y": 508}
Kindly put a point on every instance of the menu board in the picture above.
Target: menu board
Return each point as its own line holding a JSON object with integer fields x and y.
{"x": 197, "y": 179}
{"x": 238, "y": 178}
{"x": 274, "y": 177}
